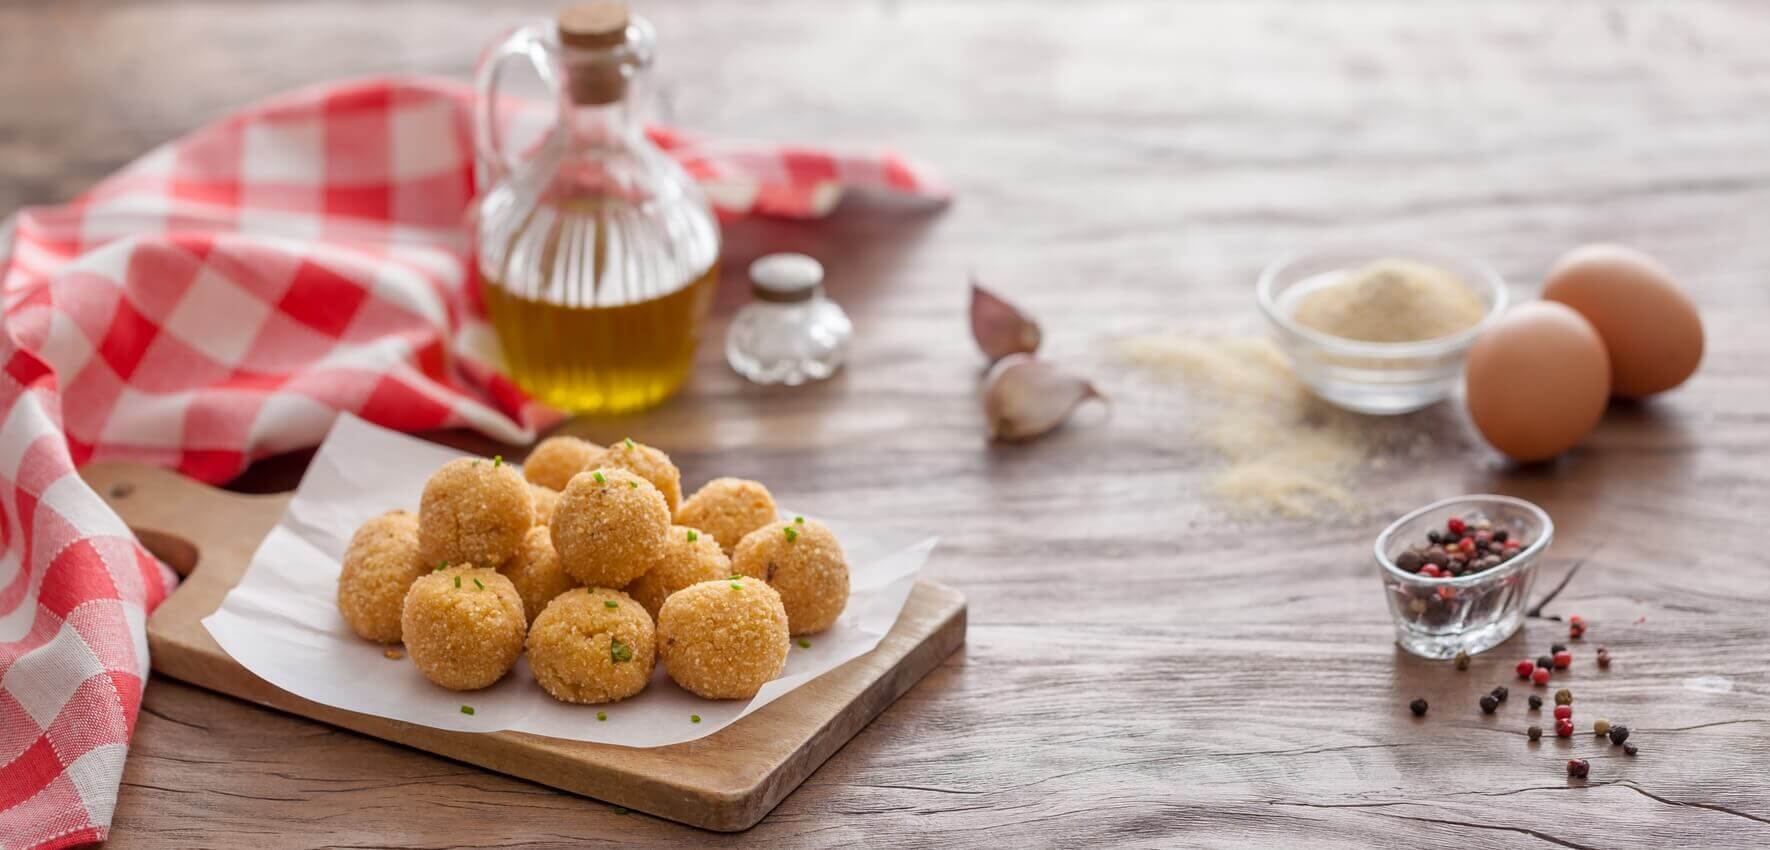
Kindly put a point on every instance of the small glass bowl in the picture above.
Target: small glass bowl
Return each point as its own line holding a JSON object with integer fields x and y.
{"x": 1372, "y": 377}
{"x": 1439, "y": 617}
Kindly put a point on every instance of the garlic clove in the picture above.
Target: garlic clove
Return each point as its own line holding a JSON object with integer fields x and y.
{"x": 999, "y": 327}
{"x": 1024, "y": 397}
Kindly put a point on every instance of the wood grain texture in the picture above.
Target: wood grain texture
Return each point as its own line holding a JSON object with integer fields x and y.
{"x": 1141, "y": 670}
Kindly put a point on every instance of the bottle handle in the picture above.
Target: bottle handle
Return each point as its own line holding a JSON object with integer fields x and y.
{"x": 530, "y": 43}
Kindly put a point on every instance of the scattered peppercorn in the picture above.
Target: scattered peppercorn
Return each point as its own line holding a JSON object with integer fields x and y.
{"x": 1601, "y": 726}
{"x": 1418, "y": 707}
{"x": 1540, "y": 675}
{"x": 1564, "y": 728}
{"x": 1536, "y": 702}
{"x": 1489, "y": 702}
{"x": 1535, "y": 733}
{"x": 1525, "y": 668}
{"x": 1564, "y": 697}
{"x": 1563, "y": 660}
{"x": 1603, "y": 657}
{"x": 1578, "y": 768}
{"x": 1462, "y": 659}
{"x": 1557, "y": 647}
{"x": 1500, "y": 693}
{"x": 1563, "y": 712}
{"x": 1631, "y": 749}
{"x": 1576, "y": 628}
{"x": 1618, "y": 734}
{"x": 1545, "y": 661}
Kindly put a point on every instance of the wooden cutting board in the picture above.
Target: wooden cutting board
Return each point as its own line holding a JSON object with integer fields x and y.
{"x": 726, "y": 781}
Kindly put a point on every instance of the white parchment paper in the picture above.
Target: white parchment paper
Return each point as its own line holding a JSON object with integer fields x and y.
{"x": 282, "y": 622}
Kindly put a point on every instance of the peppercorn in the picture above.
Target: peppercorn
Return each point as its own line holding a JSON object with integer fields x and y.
{"x": 1563, "y": 660}
{"x": 1557, "y": 647}
{"x": 1576, "y": 628}
{"x": 1434, "y": 537}
{"x": 1545, "y": 661}
{"x": 1462, "y": 659}
{"x": 1535, "y": 733}
{"x": 1540, "y": 675}
{"x": 1489, "y": 702}
{"x": 1410, "y": 561}
{"x": 1564, "y": 697}
{"x": 1631, "y": 749}
{"x": 1563, "y": 712}
{"x": 1500, "y": 693}
{"x": 1578, "y": 768}
{"x": 1618, "y": 734}
{"x": 1564, "y": 728}
{"x": 1536, "y": 702}
{"x": 1455, "y": 525}
{"x": 1500, "y": 535}
{"x": 1418, "y": 706}
{"x": 1601, "y": 726}
{"x": 1525, "y": 668}
{"x": 1603, "y": 657}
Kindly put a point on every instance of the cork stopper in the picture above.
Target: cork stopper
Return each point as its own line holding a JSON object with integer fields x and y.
{"x": 597, "y": 54}
{"x": 599, "y": 24}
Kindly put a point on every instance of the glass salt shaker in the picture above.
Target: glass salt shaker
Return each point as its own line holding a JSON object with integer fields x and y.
{"x": 791, "y": 333}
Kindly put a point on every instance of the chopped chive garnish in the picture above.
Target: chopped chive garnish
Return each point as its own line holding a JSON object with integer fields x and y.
{"x": 619, "y": 652}
{"x": 694, "y": 718}
{"x": 590, "y": 590}
{"x": 467, "y": 710}
{"x": 692, "y": 537}
{"x": 610, "y": 603}
{"x": 440, "y": 567}
{"x": 497, "y": 461}
{"x": 798, "y": 520}
{"x": 633, "y": 484}
{"x": 629, "y": 442}
{"x": 620, "y": 810}
{"x": 601, "y": 715}
{"x": 479, "y": 584}
{"x": 792, "y": 535}
{"x": 457, "y": 581}
{"x": 737, "y": 586}
{"x": 599, "y": 478}
{"x": 804, "y": 644}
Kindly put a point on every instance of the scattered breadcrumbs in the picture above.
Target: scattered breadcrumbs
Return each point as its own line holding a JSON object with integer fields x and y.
{"x": 393, "y": 653}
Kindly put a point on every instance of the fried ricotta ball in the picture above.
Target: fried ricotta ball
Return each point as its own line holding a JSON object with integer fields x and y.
{"x": 463, "y": 626}
{"x": 545, "y": 499}
{"x": 379, "y": 565}
{"x": 728, "y": 509}
{"x": 690, "y": 558}
{"x": 609, "y": 527}
{"x": 593, "y": 645}
{"x": 556, "y": 459}
{"x": 474, "y": 511}
{"x": 647, "y": 463}
{"x": 536, "y": 573}
{"x": 803, "y": 562}
{"x": 723, "y": 639}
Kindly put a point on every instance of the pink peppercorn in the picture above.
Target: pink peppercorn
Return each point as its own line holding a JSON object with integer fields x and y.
{"x": 1540, "y": 676}
{"x": 1455, "y": 524}
{"x": 1564, "y": 712}
{"x": 1564, "y": 728}
{"x": 1525, "y": 668}
{"x": 1563, "y": 660}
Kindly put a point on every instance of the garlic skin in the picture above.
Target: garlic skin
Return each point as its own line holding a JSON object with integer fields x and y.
{"x": 1024, "y": 397}
{"x": 999, "y": 327}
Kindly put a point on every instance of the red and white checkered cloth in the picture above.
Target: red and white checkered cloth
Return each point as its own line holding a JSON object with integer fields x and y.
{"x": 220, "y": 300}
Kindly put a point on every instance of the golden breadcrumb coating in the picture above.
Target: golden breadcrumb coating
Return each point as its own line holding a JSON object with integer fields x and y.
{"x": 800, "y": 559}
{"x": 723, "y": 639}
{"x": 379, "y": 565}
{"x": 728, "y": 509}
{"x": 584, "y": 649}
{"x": 474, "y": 511}
{"x": 609, "y": 527}
{"x": 685, "y": 562}
{"x": 556, "y": 459}
{"x": 647, "y": 463}
{"x": 545, "y": 499}
{"x": 463, "y": 626}
{"x": 536, "y": 573}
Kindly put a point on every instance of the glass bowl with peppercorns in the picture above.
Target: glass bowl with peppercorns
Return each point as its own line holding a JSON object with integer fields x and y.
{"x": 1457, "y": 572}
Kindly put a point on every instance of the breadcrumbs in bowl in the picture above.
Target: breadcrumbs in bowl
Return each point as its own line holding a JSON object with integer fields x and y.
{"x": 592, "y": 646}
{"x": 723, "y": 639}
{"x": 463, "y": 626}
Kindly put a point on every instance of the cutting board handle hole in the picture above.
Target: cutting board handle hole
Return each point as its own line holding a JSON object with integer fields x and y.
{"x": 178, "y": 553}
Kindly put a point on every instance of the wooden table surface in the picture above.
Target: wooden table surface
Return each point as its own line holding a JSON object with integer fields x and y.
{"x": 1142, "y": 669}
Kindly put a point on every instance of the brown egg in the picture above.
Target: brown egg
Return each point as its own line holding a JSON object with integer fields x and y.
{"x": 1538, "y": 380}
{"x": 1648, "y": 324}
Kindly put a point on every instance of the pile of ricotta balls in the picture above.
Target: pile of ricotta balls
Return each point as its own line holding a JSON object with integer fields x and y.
{"x": 598, "y": 567}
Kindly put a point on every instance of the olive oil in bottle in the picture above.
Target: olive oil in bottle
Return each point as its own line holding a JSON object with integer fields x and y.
{"x": 597, "y": 254}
